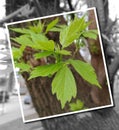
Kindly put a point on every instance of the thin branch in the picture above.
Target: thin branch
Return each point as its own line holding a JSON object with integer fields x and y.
{"x": 14, "y": 14}
{"x": 70, "y": 5}
{"x": 38, "y": 7}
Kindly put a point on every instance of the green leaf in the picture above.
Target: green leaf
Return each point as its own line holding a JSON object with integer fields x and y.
{"x": 45, "y": 70}
{"x": 21, "y": 30}
{"x": 79, "y": 105}
{"x": 72, "y": 32}
{"x": 42, "y": 54}
{"x": 63, "y": 52}
{"x": 90, "y": 34}
{"x": 17, "y": 53}
{"x": 51, "y": 25}
{"x": 42, "y": 42}
{"x": 37, "y": 28}
{"x": 24, "y": 67}
{"x": 23, "y": 40}
{"x": 86, "y": 71}
{"x": 64, "y": 85}
{"x": 55, "y": 29}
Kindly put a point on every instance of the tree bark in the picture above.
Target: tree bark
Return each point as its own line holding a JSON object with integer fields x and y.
{"x": 44, "y": 101}
{"x": 102, "y": 12}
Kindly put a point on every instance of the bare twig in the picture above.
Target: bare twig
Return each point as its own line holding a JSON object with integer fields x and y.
{"x": 12, "y": 15}
{"x": 70, "y": 5}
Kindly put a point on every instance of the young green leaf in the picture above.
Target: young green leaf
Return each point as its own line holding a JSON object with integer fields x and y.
{"x": 79, "y": 105}
{"x": 90, "y": 34}
{"x": 51, "y": 25}
{"x": 42, "y": 42}
{"x": 64, "y": 85}
{"x": 86, "y": 71}
{"x": 42, "y": 54}
{"x": 23, "y": 40}
{"x": 17, "y": 53}
{"x": 37, "y": 28}
{"x": 21, "y": 30}
{"x": 24, "y": 67}
{"x": 72, "y": 32}
{"x": 63, "y": 52}
{"x": 57, "y": 28}
{"x": 45, "y": 70}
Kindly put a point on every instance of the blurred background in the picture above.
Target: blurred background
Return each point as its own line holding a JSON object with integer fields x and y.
{"x": 14, "y": 10}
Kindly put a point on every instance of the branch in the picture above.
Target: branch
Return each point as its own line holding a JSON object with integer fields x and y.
{"x": 38, "y": 7}
{"x": 15, "y": 13}
{"x": 70, "y": 5}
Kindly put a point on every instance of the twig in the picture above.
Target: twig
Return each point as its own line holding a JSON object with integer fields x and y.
{"x": 70, "y": 5}
{"x": 12, "y": 15}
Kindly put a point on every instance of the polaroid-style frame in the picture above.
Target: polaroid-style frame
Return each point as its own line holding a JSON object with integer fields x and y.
{"x": 53, "y": 50}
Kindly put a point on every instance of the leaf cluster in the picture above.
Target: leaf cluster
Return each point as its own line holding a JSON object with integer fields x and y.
{"x": 63, "y": 83}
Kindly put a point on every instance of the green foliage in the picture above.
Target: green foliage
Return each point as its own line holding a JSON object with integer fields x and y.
{"x": 63, "y": 84}
{"x": 86, "y": 71}
{"x": 90, "y": 34}
{"x": 79, "y": 105}
{"x": 51, "y": 25}
{"x": 42, "y": 54}
{"x": 23, "y": 67}
{"x": 38, "y": 28}
{"x": 21, "y": 30}
{"x": 63, "y": 52}
{"x": 41, "y": 42}
{"x": 45, "y": 70}
{"x": 73, "y": 31}
{"x": 17, "y": 53}
{"x": 23, "y": 40}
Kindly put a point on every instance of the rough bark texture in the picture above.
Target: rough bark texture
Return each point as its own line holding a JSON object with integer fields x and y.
{"x": 98, "y": 63}
{"x": 44, "y": 102}
{"x": 102, "y": 11}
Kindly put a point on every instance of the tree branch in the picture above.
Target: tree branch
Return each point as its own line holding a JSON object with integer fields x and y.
{"x": 70, "y": 5}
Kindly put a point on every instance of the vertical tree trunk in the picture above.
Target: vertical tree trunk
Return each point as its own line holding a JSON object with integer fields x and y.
{"x": 102, "y": 11}
{"x": 98, "y": 64}
{"x": 44, "y": 101}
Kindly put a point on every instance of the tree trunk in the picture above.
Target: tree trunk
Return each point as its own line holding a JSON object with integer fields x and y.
{"x": 44, "y": 101}
{"x": 113, "y": 67}
{"x": 98, "y": 64}
{"x": 102, "y": 12}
